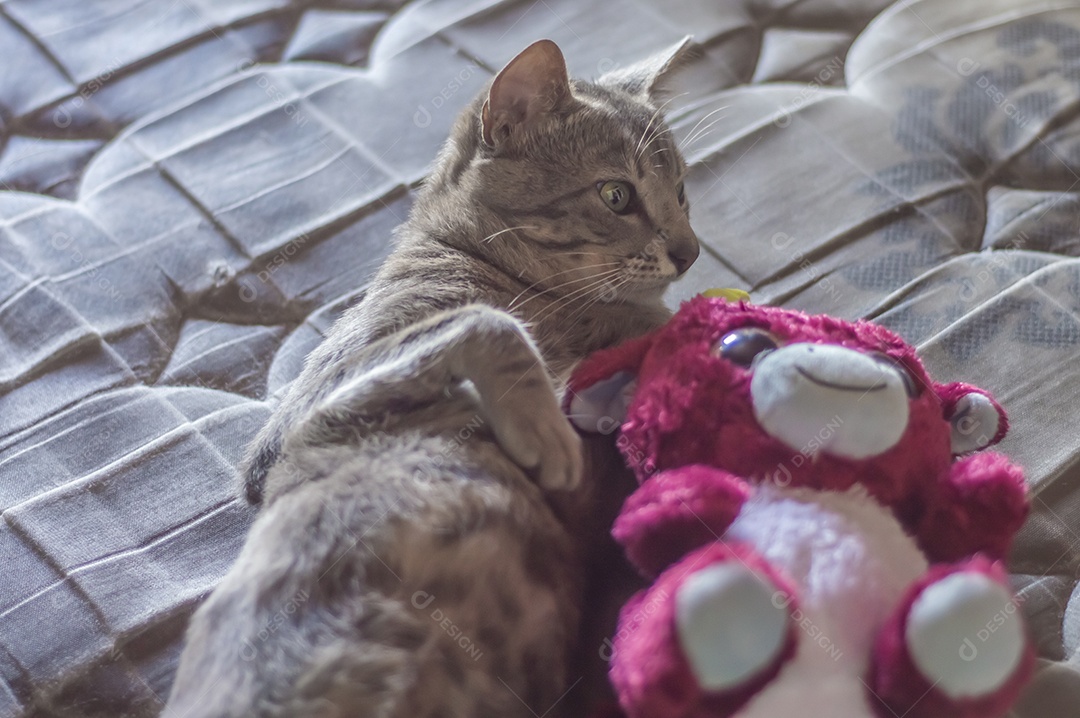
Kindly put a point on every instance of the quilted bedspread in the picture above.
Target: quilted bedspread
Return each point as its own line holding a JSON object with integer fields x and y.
{"x": 193, "y": 190}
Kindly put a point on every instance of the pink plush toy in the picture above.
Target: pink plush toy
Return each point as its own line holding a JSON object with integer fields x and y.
{"x": 823, "y": 539}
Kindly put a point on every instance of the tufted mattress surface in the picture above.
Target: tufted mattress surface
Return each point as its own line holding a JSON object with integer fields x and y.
{"x": 192, "y": 191}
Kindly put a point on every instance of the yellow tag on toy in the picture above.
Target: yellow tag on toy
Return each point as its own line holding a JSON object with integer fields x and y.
{"x": 732, "y": 295}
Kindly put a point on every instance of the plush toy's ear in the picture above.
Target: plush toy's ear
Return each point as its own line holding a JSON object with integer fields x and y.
{"x": 977, "y": 420}
{"x": 602, "y": 385}
{"x": 647, "y": 79}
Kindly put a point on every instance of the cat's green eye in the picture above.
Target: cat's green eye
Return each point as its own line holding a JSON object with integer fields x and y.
{"x": 681, "y": 192}
{"x": 617, "y": 195}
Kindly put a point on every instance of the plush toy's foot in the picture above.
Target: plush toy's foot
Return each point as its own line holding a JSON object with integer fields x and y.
{"x": 732, "y": 624}
{"x": 956, "y": 646}
{"x": 712, "y": 630}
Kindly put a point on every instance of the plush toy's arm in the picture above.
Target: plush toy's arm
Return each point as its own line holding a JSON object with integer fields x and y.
{"x": 601, "y": 386}
{"x": 978, "y": 507}
{"x": 677, "y": 511}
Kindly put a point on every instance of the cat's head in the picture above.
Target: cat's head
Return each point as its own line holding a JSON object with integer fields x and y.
{"x": 584, "y": 177}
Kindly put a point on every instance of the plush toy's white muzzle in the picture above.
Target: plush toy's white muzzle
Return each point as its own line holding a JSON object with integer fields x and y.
{"x": 825, "y": 398}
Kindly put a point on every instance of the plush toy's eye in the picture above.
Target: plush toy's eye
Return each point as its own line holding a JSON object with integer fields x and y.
{"x": 742, "y": 346}
{"x": 910, "y": 385}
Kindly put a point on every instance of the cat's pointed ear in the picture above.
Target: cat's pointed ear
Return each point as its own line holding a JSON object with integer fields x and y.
{"x": 648, "y": 78}
{"x": 602, "y": 386}
{"x": 531, "y": 85}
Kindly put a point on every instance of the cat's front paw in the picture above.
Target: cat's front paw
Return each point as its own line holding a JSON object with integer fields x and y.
{"x": 540, "y": 440}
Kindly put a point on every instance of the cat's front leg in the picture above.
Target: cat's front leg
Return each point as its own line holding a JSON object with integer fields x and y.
{"x": 518, "y": 398}
{"x": 477, "y": 344}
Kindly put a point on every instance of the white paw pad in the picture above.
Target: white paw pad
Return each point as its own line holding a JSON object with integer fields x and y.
{"x": 965, "y": 634}
{"x": 732, "y": 624}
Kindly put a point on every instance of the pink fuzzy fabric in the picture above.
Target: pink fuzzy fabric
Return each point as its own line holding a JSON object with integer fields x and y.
{"x": 899, "y": 687}
{"x": 978, "y": 509}
{"x": 676, "y": 512}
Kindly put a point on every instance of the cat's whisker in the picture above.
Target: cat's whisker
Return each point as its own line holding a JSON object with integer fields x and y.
{"x": 654, "y": 154}
{"x": 653, "y": 138}
{"x": 639, "y": 150}
{"x": 703, "y": 132}
{"x": 595, "y": 281}
{"x": 659, "y": 128}
{"x": 702, "y": 120}
{"x": 697, "y": 145}
{"x": 508, "y": 229}
{"x": 513, "y": 303}
{"x": 600, "y": 285}
{"x": 624, "y": 280}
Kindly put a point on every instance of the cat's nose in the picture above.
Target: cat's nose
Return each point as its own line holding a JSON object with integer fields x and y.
{"x": 683, "y": 253}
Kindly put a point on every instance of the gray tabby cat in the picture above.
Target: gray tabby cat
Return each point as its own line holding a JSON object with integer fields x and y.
{"x": 417, "y": 554}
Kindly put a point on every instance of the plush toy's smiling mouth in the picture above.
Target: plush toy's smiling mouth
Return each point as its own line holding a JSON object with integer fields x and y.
{"x": 841, "y": 387}
{"x": 829, "y": 399}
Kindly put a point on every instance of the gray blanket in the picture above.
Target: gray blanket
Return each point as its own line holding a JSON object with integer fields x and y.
{"x": 192, "y": 190}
